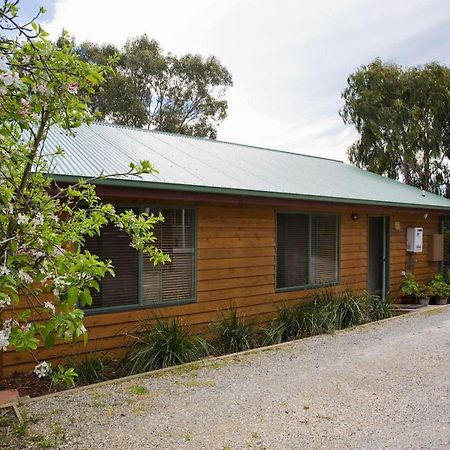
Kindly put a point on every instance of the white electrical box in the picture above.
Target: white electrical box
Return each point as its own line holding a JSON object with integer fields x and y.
{"x": 414, "y": 240}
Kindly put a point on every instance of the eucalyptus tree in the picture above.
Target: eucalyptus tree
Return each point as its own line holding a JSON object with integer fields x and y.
{"x": 157, "y": 90}
{"x": 402, "y": 116}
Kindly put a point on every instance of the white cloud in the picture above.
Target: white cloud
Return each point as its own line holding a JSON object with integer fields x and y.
{"x": 289, "y": 59}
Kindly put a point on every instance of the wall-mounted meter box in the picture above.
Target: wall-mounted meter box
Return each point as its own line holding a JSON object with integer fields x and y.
{"x": 414, "y": 240}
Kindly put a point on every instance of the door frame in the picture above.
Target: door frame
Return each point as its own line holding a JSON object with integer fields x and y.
{"x": 385, "y": 282}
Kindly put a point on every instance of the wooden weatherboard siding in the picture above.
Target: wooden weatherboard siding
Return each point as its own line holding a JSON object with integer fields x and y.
{"x": 236, "y": 266}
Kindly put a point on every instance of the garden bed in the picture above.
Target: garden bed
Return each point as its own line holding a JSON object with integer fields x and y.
{"x": 161, "y": 344}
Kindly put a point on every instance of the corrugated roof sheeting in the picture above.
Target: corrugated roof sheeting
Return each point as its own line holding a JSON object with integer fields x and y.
{"x": 188, "y": 162}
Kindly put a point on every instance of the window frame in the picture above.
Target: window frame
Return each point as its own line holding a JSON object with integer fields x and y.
{"x": 139, "y": 305}
{"x": 307, "y": 286}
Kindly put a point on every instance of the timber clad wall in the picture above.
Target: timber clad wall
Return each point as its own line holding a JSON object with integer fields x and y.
{"x": 236, "y": 265}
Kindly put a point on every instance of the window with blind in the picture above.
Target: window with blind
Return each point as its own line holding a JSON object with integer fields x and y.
{"x": 307, "y": 250}
{"x": 138, "y": 282}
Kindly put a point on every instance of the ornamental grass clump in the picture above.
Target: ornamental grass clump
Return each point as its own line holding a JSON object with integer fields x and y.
{"x": 326, "y": 313}
{"x": 164, "y": 343}
{"x": 233, "y": 334}
{"x": 285, "y": 326}
{"x": 94, "y": 368}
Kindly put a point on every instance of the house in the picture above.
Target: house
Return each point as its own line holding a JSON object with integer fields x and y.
{"x": 248, "y": 226}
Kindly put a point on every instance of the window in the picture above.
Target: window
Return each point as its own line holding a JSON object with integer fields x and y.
{"x": 138, "y": 282}
{"x": 307, "y": 250}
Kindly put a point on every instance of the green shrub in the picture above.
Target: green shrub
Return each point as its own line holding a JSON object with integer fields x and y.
{"x": 327, "y": 313}
{"x": 159, "y": 343}
{"x": 438, "y": 287}
{"x": 380, "y": 308}
{"x": 233, "y": 334}
{"x": 94, "y": 368}
{"x": 284, "y": 327}
{"x": 410, "y": 286}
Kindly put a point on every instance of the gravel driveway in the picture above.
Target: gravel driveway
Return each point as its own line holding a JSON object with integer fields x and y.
{"x": 383, "y": 385}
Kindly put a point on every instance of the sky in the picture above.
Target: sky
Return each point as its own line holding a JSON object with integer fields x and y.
{"x": 290, "y": 59}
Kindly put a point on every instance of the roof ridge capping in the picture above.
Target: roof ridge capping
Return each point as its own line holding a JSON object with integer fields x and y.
{"x": 217, "y": 141}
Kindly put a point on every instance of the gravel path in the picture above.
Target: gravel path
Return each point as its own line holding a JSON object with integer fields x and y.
{"x": 384, "y": 385}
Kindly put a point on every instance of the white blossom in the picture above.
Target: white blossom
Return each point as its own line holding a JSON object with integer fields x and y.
{"x": 24, "y": 276}
{"x": 6, "y": 301}
{"x": 42, "y": 369}
{"x": 4, "y": 340}
{"x": 3, "y": 63}
{"x": 50, "y": 306}
{"x": 22, "y": 219}
{"x": 4, "y": 270}
{"x": 5, "y": 333}
{"x": 56, "y": 251}
{"x": 41, "y": 88}
{"x": 9, "y": 78}
{"x": 38, "y": 254}
{"x": 38, "y": 219}
{"x": 26, "y": 328}
{"x": 25, "y": 107}
{"x": 9, "y": 209}
{"x": 3, "y": 91}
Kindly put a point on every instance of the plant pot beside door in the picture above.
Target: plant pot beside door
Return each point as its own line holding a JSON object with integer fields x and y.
{"x": 424, "y": 294}
{"x": 410, "y": 289}
{"x": 440, "y": 290}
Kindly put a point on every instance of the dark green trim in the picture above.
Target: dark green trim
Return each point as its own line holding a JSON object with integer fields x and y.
{"x": 337, "y": 281}
{"x": 441, "y": 230}
{"x": 387, "y": 256}
{"x": 140, "y": 305}
{"x": 307, "y": 286}
{"x": 244, "y": 192}
{"x": 136, "y": 307}
{"x": 387, "y": 252}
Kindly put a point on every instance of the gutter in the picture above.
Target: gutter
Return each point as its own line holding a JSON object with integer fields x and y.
{"x": 117, "y": 182}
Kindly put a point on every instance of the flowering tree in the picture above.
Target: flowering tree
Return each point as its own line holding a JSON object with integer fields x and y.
{"x": 44, "y": 268}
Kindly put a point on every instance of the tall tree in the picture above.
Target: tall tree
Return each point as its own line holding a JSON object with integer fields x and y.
{"x": 160, "y": 91}
{"x": 403, "y": 118}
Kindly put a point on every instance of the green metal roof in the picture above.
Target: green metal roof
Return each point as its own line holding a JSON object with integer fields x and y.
{"x": 203, "y": 165}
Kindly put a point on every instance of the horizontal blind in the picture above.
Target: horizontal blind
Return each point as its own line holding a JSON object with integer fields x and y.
{"x": 292, "y": 250}
{"x": 114, "y": 244}
{"x": 323, "y": 249}
{"x": 174, "y": 281}
{"x": 307, "y": 249}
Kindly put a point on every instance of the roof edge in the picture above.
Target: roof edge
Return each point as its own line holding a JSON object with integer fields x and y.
{"x": 233, "y": 191}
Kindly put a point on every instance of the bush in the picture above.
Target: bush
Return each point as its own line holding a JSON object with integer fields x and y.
{"x": 410, "y": 286}
{"x": 159, "y": 343}
{"x": 438, "y": 287}
{"x": 94, "y": 368}
{"x": 379, "y": 309}
{"x": 232, "y": 334}
{"x": 285, "y": 326}
{"x": 327, "y": 313}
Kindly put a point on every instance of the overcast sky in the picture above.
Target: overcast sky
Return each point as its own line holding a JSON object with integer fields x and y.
{"x": 289, "y": 58}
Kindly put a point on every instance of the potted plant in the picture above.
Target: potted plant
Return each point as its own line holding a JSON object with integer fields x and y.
{"x": 440, "y": 290}
{"x": 425, "y": 292}
{"x": 410, "y": 288}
